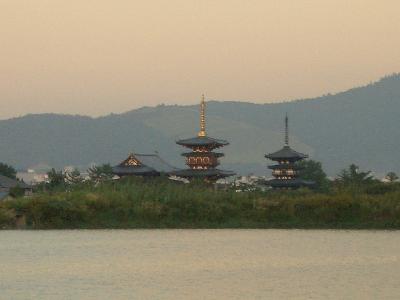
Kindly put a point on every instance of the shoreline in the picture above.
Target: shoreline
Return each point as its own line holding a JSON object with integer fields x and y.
{"x": 136, "y": 204}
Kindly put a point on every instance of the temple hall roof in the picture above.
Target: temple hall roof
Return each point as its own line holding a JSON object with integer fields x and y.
{"x": 143, "y": 165}
{"x": 156, "y": 162}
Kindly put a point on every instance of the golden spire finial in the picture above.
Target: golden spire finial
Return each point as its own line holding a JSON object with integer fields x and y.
{"x": 202, "y": 132}
{"x": 286, "y": 130}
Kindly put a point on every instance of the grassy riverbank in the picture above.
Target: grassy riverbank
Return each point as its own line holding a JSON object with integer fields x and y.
{"x": 159, "y": 203}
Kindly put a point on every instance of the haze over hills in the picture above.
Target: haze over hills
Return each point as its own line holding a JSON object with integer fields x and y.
{"x": 357, "y": 126}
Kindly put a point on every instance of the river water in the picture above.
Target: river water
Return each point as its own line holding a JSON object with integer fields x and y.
{"x": 200, "y": 264}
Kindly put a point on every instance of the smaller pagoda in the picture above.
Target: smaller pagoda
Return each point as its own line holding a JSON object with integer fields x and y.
{"x": 286, "y": 171}
{"x": 202, "y": 161}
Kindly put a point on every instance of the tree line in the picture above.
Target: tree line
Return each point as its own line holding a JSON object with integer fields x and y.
{"x": 349, "y": 178}
{"x": 354, "y": 199}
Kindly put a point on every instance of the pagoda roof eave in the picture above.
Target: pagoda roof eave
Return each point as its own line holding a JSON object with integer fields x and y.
{"x": 202, "y": 141}
{"x": 190, "y": 173}
{"x": 286, "y": 153}
{"x": 285, "y": 167}
{"x": 203, "y": 154}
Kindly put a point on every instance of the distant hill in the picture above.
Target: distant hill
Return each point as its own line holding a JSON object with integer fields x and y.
{"x": 357, "y": 126}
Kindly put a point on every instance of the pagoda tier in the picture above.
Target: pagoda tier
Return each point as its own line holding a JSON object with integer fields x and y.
{"x": 203, "y": 154}
{"x": 202, "y": 161}
{"x": 286, "y": 171}
{"x": 202, "y": 143}
{"x": 286, "y": 155}
{"x": 210, "y": 175}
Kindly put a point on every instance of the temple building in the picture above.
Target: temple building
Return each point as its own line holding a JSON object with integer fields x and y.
{"x": 286, "y": 171}
{"x": 201, "y": 160}
{"x": 146, "y": 165}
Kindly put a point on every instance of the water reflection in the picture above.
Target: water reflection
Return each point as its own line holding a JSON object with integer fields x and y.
{"x": 199, "y": 264}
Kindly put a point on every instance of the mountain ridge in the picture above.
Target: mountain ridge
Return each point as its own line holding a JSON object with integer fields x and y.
{"x": 355, "y": 126}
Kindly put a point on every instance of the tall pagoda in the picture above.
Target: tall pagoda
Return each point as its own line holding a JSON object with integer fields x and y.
{"x": 286, "y": 171}
{"x": 201, "y": 160}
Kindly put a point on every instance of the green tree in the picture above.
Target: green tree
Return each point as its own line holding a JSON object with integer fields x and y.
{"x": 74, "y": 177}
{"x": 56, "y": 178}
{"x": 312, "y": 170}
{"x": 391, "y": 176}
{"x": 17, "y": 192}
{"x": 8, "y": 171}
{"x": 354, "y": 177}
{"x": 101, "y": 173}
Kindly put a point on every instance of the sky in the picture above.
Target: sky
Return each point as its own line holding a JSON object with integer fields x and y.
{"x": 95, "y": 57}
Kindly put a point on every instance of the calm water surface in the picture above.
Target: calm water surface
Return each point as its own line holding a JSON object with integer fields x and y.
{"x": 199, "y": 264}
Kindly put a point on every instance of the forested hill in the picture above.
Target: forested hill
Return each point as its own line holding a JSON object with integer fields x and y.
{"x": 357, "y": 126}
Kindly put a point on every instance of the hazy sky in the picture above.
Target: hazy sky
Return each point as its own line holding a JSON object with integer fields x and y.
{"x": 101, "y": 56}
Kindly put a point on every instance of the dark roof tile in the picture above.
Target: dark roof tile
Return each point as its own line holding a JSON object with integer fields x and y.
{"x": 202, "y": 141}
{"x": 203, "y": 173}
{"x": 142, "y": 165}
{"x": 286, "y": 153}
